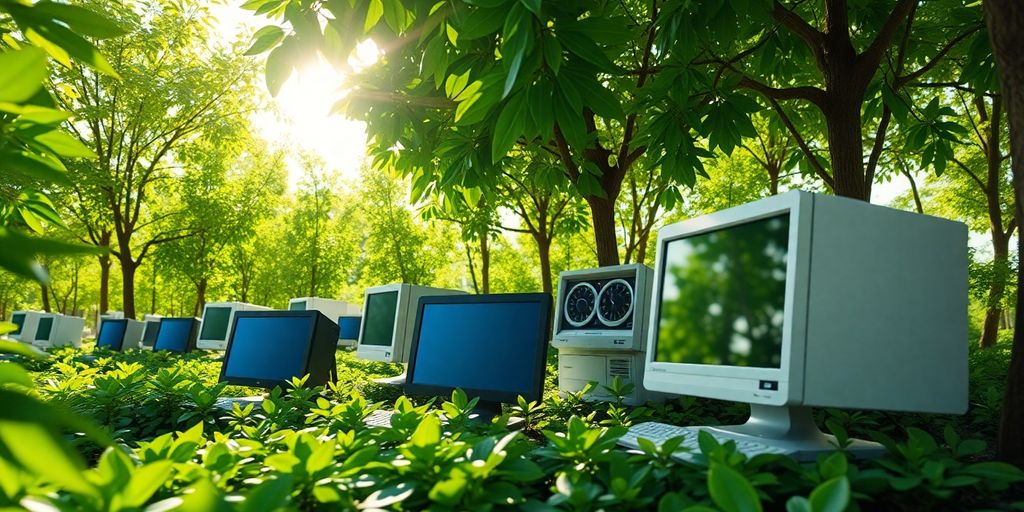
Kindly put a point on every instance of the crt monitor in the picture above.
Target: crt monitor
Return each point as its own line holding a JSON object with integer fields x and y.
{"x": 176, "y": 334}
{"x": 268, "y": 348}
{"x": 389, "y": 312}
{"x": 490, "y": 346}
{"x": 218, "y": 319}
{"x": 111, "y": 335}
{"x": 18, "y": 319}
{"x": 149, "y": 335}
{"x": 348, "y": 329}
{"x": 804, "y": 300}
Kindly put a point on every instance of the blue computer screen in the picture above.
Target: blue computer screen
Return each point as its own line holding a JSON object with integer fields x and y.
{"x": 269, "y": 348}
{"x": 111, "y": 334}
{"x": 173, "y": 334}
{"x": 482, "y": 346}
{"x": 348, "y": 327}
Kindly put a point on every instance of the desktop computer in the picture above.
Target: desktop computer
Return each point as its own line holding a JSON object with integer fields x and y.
{"x": 330, "y": 308}
{"x": 600, "y": 330}
{"x": 218, "y": 319}
{"x": 348, "y": 330}
{"x": 491, "y": 346}
{"x": 109, "y": 315}
{"x": 25, "y": 325}
{"x": 176, "y": 334}
{"x": 149, "y": 333}
{"x": 58, "y": 331}
{"x": 268, "y": 348}
{"x": 389, "y": 315}
{"x": 120, "y": 334}
{"x": 804, "y": 300}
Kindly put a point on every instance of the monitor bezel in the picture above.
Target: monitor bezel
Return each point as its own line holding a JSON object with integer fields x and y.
{"x": 486, "y": 395}
{"x": 740, "y": 383}
{"x": 190, "y": 343}
{"x": 124, "y": 333}
{"x": 21, "y": 326}
{"x": 384, "y": 353}
{"x": 268, "y": 383}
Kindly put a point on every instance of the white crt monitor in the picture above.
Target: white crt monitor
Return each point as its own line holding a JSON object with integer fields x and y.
{"x": 329, "y": 307}
{"x": 58, "y": 330}
{"x": 389, "y": 315}
{"x": 26, "y": 323}
{"x": 804, "y": 300}
{"x": 218, "y": 319}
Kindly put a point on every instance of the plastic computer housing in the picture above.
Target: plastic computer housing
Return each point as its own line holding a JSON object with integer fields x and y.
{"x": 152, "y": 326}
{"x": 875, "y": 317}
{"x": 331, "y": 308}
{"x": 349, "y": 342}
{"x": 133, "y": 332}
{"x": 319, "y": 357}
{"x": 595, "y": 347}
{"x": 222, "y": 343}
{"x": 64, "y": 330}
{"x": 405, "y": 320}
{"x": 29, "y": 320}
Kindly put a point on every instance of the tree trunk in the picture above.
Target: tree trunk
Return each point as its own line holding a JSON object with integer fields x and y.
{"x": 993, "y": 309}
{"x": 45, "y": 292}
{"x": 152, "y": 293}
{"x": 200, "y": 297}
{"x": 1005, "y": 21}
{"x": 544, "y": 255}
{"x": 74, "y": 289}
{"x": 105, "y": 262}
{"x": 472, "y": 270}
{"x": 485, "y": 264}
{"x": 602, "y": 212}
{"x": 128, "y": 267}
{"x": 845, "y": 145}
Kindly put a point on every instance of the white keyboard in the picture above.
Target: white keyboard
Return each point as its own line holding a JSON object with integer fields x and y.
{"x": 225, "y": 403}
{"x": 658, "y": 433}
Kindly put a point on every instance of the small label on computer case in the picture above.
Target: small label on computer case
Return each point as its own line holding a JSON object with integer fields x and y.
{"x": 769, "y": 385}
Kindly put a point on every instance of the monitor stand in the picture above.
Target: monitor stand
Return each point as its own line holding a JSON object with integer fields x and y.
{"x": 793, "y": 428}
{"x": 397, "y": 380}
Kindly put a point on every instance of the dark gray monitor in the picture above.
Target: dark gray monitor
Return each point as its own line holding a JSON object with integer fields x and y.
{"x": 268, "y": 348}
{"x": 111, "y": 335}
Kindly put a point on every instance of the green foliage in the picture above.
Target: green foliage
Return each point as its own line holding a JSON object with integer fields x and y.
{"x": 307, "y": 449}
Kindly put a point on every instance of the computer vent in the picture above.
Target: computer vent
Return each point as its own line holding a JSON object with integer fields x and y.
{"x": 619, "y": 368}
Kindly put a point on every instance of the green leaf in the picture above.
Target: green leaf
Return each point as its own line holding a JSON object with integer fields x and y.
{"x": 373, "y": 15}
{"x": 831, "y": 496}
{"x": 798, "y": 504}
{"x": 64, "y": 145}
{"x": 265, "y": 39}
{"x": 47, "y": 170}
{"x": 21, "y": 349}
{"x": 532, "y": 5}
{"x": 81, "y": 20}
{"x": 14, "y": 374}
{"x": 428, "y": 433}
{"x": 449, "y": 491}
{"x": 731, "y": 491}
{"x": 279, "y": 67}
{"x": 74, "y": 45}
{"x": 510, "y": 125}
{"x": 21, "y": 74}
{"x": 269, "y": 496}
{"x": 146, "y": 481}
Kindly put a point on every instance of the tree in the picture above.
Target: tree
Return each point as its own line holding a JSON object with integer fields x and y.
{"x": 1005, "y": 21}
{"x": 226, "y": 190}
{"x": 547, "y": 206}
{"x": 135, "y": 132}
{"x": 396, "y": 246}
{"x": 847, "y": 63}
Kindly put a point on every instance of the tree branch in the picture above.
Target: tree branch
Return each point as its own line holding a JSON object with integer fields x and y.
{"x": 818, "y": 169}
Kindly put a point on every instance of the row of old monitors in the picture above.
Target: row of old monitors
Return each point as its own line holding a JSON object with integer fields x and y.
{"x": 267, "y": 348}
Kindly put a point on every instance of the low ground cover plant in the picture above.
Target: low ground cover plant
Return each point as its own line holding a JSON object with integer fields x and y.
{"x": 143, "y": 433}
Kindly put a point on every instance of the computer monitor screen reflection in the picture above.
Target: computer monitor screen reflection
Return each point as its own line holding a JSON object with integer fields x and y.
{"x": 480, "y": 346}
{"x": 723, "y": 296}
{"x": 111, "y": 334}
{"x": 215, "y": 323}
{"x": 269, "y": 348}
{"x": 379, "y": 319}
{"x": 173, "y": 334}
{"x": 348, "y": 327}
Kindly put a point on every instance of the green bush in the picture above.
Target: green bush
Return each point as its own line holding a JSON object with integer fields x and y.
{"x": 308, "y": 449}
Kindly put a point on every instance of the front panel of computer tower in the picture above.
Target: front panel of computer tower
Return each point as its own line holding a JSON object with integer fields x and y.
{"x": 600, "y": 328}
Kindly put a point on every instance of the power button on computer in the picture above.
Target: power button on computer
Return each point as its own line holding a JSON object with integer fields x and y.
{"x": 770, "y": 385}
